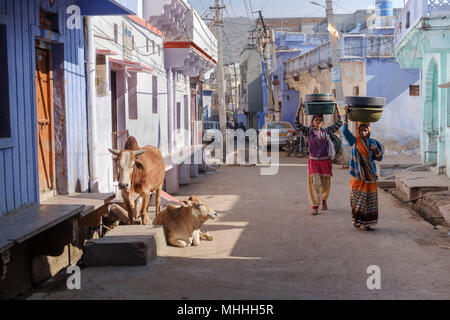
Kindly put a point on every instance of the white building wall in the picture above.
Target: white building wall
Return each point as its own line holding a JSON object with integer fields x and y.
{"x": 148, "y": 126}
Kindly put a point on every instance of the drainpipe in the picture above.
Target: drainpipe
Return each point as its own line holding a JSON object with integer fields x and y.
{"x": 92, "y": 107}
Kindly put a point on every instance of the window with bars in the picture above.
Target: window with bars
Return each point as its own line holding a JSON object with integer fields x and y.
{"x": 49, "y": 20}
{"x": 116, "y": 33}
{"x": 155, "y": 94}
{"x": 186, "y": 112}
{"x": 5, "y": 120}
{"x": 414, "y": 91}
{"x": 100, "y": 76}
{"x": 178, "y": 115}
{"x": 132, "y": 96}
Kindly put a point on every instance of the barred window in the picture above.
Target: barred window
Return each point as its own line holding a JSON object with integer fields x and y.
{"x": 5, "y": 121}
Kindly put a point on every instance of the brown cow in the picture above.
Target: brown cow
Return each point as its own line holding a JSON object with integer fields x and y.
{"x": 141, "y": 172}
{"x": 182, "y": 223}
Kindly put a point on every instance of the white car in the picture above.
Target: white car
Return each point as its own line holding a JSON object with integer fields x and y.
{"x": 285, "y": 130}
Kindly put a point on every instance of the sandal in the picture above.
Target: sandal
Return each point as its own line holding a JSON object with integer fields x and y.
{"x": 324, "y": 205}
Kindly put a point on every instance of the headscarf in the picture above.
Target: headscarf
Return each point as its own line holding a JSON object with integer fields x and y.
{"x": 366, "y": 124}
{"x": 314, "y": 117}
{"x": 361, "y": 142}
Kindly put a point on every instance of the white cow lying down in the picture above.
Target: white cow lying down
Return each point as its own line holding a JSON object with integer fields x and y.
{"x": 182, "y": 223}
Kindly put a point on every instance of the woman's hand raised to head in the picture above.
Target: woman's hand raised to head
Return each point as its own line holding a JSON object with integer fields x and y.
{"x": 373, "y": 147}
{"x": 346, "y": 110}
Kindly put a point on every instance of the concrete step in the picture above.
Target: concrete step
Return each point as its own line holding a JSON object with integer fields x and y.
{"x": 445, "y": 212}
{"x": 125, "y": 246}
{"x": 166, "y": 199}
{"x": 386, "y": 184}
{"x": 416, "y": 184}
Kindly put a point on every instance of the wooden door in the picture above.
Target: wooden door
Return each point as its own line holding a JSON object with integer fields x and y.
{"x": 45, "y": 134}
{"x": 115, "y": 138}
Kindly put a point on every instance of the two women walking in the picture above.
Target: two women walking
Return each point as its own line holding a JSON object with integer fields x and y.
{"x": 363, "y": 172}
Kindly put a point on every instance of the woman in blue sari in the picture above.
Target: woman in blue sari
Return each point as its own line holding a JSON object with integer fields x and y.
{"x": 363, "y": 172}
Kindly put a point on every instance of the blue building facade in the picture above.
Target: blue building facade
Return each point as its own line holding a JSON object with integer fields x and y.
{"x": 26, "y": 27}
{"x": 289, "y": 45}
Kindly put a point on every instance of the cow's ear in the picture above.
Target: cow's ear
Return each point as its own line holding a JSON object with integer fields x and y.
{"x": 188, "y": 204}
{"x": 139, "y": 165}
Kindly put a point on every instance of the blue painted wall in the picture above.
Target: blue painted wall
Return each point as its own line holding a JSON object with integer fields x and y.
{"x": 18, "y": 154}
{"x": 289, "y": 99}
{"x": 401, "y": 118}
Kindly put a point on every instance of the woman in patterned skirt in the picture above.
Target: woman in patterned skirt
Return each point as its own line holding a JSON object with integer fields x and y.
{"x": 320, "y": 168}
{"x": 364, "y": 179}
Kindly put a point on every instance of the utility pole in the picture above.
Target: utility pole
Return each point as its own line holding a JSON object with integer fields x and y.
{"x": 263, "y": 40}
{"x": 220, "y": 71}
{"x": 334, "y": 45}
{"x": 236, "y": 88}
{"x": 276, "y": 82}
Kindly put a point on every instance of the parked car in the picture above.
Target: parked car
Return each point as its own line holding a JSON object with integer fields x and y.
{"x": 210, "y": 125}
{"x": 285, "y": 130}
{"x": 214, "y": 125}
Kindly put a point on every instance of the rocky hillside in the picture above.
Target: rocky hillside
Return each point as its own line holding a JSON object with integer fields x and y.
{"x": 235, "y": 36}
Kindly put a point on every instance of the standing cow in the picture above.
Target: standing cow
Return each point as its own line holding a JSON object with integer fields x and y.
{"x": 141, "y": 172}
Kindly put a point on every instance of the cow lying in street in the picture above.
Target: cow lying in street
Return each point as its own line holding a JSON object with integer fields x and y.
{"x": 141, "y": 172}
{"x": 182, "y": 223}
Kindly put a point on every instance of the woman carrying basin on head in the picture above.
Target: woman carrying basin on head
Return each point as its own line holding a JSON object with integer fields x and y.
{"x": 320, "y": 168}
{"x": 364, "y": 179}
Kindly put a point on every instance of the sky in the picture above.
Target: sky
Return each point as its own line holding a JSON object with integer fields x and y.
{"x": 285, "y": 8}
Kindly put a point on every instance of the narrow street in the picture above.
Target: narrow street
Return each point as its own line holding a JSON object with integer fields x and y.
{"x": 267, "y": 245}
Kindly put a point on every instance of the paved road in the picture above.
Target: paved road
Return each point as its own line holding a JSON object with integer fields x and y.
{"x": 268, "y": 246}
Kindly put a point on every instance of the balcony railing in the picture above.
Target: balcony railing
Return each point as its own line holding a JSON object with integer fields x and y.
{"x": 352, "y": 47}
{"x": 417, "y": 9}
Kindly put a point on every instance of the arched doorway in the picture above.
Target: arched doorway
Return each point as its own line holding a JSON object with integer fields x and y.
{"x": 431, "y": 114}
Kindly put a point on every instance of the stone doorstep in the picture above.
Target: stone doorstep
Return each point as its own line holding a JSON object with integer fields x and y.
{"x": 126, "y": 246}
{"x": 415, "y": 184}
{"x": 386, "y": 184}
{"x": 445, "y": 212}
{"x": 166, "y": 199}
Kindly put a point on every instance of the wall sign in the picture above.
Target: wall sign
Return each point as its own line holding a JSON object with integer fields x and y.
{"x": 127, "y": 42}
{"x": 335, "y": 74}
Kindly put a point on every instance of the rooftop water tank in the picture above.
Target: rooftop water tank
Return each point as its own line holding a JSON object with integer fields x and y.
{"x": 384, "y": 8}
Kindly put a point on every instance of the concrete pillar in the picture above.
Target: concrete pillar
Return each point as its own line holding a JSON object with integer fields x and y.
{"x": 194, "y": 165}
{"x": 194, "y": 170}
{"x": 184, "y": 174}
{"x": 172, "y": 184}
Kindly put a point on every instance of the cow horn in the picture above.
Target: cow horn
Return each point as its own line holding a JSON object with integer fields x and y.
{"x": 115, "y": 152}
{"x": 138, "y": 152}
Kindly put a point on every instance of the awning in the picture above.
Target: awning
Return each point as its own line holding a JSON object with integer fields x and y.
{"x": 107, "y": 7}
{"x": 106, "y": 52}
{"x": 132, "y": 66}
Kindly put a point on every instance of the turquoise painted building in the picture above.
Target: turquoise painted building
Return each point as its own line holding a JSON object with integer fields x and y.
{"x": 422, "y": 41}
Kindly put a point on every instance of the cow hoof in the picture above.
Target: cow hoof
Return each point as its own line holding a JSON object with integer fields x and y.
{"x": 207, "y": 238}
